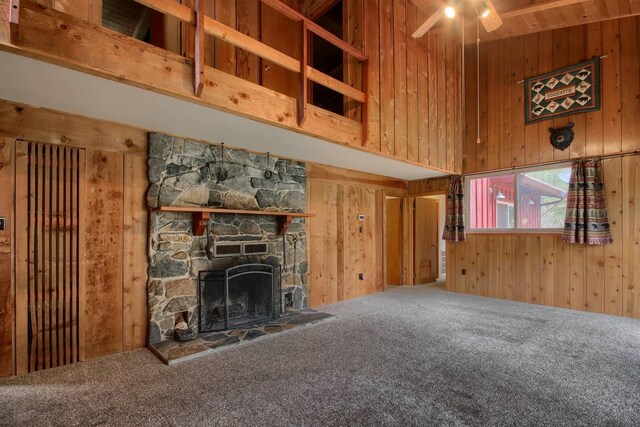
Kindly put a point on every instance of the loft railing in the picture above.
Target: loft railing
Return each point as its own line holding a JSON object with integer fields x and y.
{"x": 207, "y": 25}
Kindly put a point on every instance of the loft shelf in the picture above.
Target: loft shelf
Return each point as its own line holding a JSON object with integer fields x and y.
{"x": 201, "y": 216}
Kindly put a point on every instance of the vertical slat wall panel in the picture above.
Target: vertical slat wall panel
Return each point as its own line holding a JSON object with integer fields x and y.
{"x": 47, "y": 274}
{"x": 66, "y": 270}
{"x": 73, "y": 256}
{"x": 53, "y": 257}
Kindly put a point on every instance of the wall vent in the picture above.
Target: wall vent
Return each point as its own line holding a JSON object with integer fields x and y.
{"x": 229, "y": 249}
{"x": 255, "y": 248}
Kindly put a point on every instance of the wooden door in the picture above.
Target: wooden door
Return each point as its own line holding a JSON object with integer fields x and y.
{"x": 426, "y": 240}
{"x": 393, "y": 230}
{"x": 49, "y": 192}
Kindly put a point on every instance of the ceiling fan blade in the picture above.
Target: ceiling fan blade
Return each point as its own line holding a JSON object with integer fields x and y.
{"x": 492, "y": 21}
{"x": 426, "y": 26}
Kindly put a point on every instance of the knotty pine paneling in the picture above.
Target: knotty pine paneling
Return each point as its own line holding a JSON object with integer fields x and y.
{"x": 541, "y": 269}
{"x": 341, "y": 246}
{"x": 414, "y": 85}
{"x": 115, "y": 261}
{"x": 507, "y": 141}
{"x": 6, "y": 260}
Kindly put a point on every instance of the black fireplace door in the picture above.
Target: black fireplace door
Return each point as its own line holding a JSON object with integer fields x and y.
{"x": 238, "y": 297}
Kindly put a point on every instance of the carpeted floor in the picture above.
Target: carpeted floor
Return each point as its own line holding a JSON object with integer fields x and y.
{"x": 410, "y": 356}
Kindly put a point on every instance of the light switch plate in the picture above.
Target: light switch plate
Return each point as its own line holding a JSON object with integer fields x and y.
{"x": 361, "y": 217}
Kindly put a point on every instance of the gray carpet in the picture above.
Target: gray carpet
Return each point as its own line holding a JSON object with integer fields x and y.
{"x": 410, "y": 356}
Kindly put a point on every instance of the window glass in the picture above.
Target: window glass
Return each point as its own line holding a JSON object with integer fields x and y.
{"x": 543, "y": 198}
{"x": 492, "y": 202}
{"x": 536, "y": 197}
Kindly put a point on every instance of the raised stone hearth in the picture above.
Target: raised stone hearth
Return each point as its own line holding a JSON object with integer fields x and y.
{"x": 187, "y": 173}
{"x": 170, "y": 351}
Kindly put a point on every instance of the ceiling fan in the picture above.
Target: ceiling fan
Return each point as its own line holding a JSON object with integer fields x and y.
{"x": 486, "y": 13}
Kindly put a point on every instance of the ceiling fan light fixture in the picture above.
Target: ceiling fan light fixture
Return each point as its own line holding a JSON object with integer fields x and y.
{"x": 484, "y": 10}
{"x": 450, "y": 11}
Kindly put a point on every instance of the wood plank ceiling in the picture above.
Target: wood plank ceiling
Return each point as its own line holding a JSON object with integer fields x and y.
{"x": 522, "y": 17}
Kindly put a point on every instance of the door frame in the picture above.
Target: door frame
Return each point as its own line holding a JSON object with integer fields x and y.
{"x": 406, "y": 205}
{"x": 412, "y": 242}
{"x": 438, "y": 255}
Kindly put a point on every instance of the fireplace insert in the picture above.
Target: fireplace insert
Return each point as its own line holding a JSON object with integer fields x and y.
{"x": 237, "y": 297}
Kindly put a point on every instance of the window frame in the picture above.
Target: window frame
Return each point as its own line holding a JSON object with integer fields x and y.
{"x": 516, "y": 172}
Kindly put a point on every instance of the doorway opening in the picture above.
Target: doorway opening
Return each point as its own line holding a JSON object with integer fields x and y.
{"x": 394, "y": 241}
{"x": 430, "y": 262}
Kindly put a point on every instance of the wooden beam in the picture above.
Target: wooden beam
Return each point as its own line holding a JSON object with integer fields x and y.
{"x": 198, "y": 66}
{"x": 302, "y": 84}
{"x": 14, "y": 11}
{"x": 538, "y": 7}
{"x": 238, "y": 39}
{"x": 316, "y": 8}
{"x": 171, "y": 7}
{"x": 492, "y": 21}
{"x": 430, "y": 22}
{"x": 14, "y": 18}
{"x": 334, "y": 84}
{"x": 315, "y": 28}
{"x": 229, "y": 211}
{"x": 365, "y": 106}
{"x": 186, "y": 14}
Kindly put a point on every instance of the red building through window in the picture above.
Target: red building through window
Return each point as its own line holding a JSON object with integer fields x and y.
{"x": 492, "y": 202}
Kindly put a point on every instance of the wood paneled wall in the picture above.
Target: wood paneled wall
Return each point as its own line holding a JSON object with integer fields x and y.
{"x": 340, "y": 245}
{"x": 505, "y": 141}
{"x": 415, "y": 86}
{"x": 430, "y": 186}
{"x": 7, "y": 290}
{"x": 414, "y": 89}
{"x": 116, "y": 226}
{"x": 541, "y": 269}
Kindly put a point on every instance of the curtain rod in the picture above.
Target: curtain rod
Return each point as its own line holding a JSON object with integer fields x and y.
{"x": 522, "y": 81}
{"x": 556, "y": 162}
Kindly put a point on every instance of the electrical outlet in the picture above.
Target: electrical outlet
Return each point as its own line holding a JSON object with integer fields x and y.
{"x": 361, "y": 276}
{"x": 2, "y": 223}
{"x": 464, "y": 271}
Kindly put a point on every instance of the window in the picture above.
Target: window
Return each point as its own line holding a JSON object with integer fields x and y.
{"x": 533, "y": 199}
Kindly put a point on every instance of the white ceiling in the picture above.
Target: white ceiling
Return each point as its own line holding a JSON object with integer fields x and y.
{"x": 32, "y": 82}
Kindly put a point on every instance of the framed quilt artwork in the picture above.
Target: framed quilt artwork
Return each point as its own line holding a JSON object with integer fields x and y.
{"x": 572, "y": 90}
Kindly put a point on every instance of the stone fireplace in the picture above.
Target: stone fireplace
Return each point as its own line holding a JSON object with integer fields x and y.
{"x": 186, "y": 173}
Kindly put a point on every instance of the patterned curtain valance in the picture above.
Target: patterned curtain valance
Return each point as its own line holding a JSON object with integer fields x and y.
{"x": 454, "y": 222}
{"x": 587, "y": 221}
